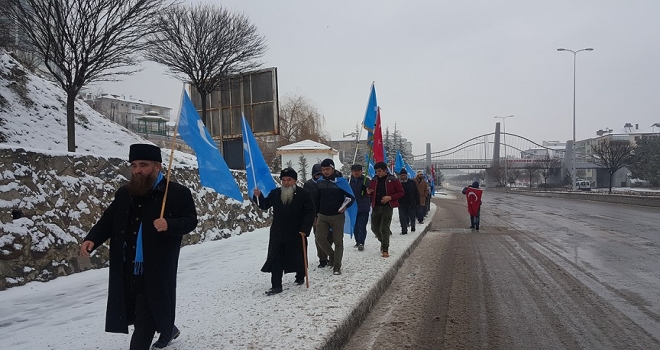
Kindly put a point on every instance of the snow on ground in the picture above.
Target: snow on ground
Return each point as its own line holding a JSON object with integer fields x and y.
{"x": 220, "y": 299}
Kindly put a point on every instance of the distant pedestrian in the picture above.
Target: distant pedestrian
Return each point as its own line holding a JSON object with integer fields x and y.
{"x": 385, "y": 191}
{"x": 424, "y": 193}
{"x": 408, "y": 202}
{"x": 293, "y": 216}
{"x": 330, "y": 219}
{"x": 144, "y": 249}
{"x": 473, "y": 195}
{"x": 311, "y": 186}
{"x": 358, "y": 184}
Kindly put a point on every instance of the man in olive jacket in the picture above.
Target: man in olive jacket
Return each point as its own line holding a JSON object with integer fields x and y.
{"x": 144, "y": 249}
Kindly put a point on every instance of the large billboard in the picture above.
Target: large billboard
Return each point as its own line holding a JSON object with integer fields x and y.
{"x": 253, "y": 94}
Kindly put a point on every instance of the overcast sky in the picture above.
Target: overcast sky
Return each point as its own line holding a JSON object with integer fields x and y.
{"x": 445, "y": 69}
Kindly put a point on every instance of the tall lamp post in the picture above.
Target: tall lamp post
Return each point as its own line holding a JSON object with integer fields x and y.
{"x": 506, "y": 171}
{"x": 575, "y": 52}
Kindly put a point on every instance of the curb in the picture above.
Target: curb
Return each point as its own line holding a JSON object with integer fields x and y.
{"x": 339, "y": 337}
{"x": 645, "y": 201}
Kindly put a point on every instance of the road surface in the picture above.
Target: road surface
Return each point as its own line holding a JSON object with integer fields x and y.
{"x": 543, "y": 273}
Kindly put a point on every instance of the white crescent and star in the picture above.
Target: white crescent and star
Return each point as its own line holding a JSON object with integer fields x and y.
{"x": 202, "y": 133}
{"x": 472, "y": 194}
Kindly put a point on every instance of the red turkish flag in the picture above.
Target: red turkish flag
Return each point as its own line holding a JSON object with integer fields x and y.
{"x": 379, "y": 149}
{"x": 473, "y": 200}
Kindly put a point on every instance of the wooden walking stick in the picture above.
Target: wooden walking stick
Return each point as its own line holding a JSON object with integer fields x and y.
{"x": 302, "y": 234}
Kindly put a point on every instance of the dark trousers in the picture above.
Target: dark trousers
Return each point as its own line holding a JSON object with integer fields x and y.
{"x": 138, "y": 312}
{"x": 319, "y": 252}
{"x": 381, "y": 218}
{"x": 474, "y": 220}
{"x": 421, "y": 212}
{"x": 276, "y": 277}
{"x": 407, "y": 217}
{"x": 360, "y": 229}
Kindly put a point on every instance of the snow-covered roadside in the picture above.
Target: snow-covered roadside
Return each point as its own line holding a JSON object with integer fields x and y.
{"x": 220, "y": 300}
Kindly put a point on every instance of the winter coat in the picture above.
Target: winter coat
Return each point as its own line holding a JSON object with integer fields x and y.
{"x": 288, "y": 221}
{"x": 360, "y": 193}
{"x": 393, "y": 189}
{"x": 160, "y": 250}
{"x": 329, "y": 196}
{"x": 311, "y": 186}
{"x": 410, "y": 197}
{"x": 424, "y": 190}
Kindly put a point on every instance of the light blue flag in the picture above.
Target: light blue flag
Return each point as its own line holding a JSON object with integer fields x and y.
{"x": 257, "y": 171}
{"x": 370, "y": 166}
{"x": 399, "y": 163}
{"x": 410, "y": 170}
{"x": 369, "y": 122}
{"x": 213, "y": 171}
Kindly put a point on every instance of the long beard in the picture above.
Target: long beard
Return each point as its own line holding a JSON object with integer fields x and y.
{"x": 287, "y": 194}
{"x": 140, "y": 185}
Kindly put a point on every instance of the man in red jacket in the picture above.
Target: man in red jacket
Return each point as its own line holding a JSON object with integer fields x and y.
{"x": 385, "y": 191}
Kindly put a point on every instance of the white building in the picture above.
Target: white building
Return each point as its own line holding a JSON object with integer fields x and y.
{"x": 309, "y": 152}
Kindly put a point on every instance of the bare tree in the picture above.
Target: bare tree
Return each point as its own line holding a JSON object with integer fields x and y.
{"x": 514, "y": 175}
{"x": 204, "y": 44}
{"x": 84, "y": 41}
{"x": 300, "y": 120}
{"x": 546, "y": 166}
{"x": 612, "y": 155}
{"x": 531, "y": 171}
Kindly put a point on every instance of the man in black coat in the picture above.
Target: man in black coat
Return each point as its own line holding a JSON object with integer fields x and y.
{"x": 144, "y": 249}
{"x": 293, "y": 216}
{"x": 408, "y": 203}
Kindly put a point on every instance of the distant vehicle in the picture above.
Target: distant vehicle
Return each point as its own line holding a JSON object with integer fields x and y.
{"x": 583, "y": 185}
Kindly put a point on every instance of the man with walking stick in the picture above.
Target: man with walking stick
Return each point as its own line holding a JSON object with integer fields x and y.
{"x": 293, "y": 216}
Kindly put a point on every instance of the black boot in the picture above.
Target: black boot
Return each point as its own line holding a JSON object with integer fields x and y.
{"x": 274, "y": 291}
{"x": 162, "y": 342}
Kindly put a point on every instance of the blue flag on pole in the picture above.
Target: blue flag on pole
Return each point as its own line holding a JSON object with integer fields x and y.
{"x": 410, "y": 170}
{"x": 213, "y": 171}
{"x": 370, "y": 166}
{"x": 399, "y": 163}
{"x": 257, "y": 171}
{"x": 369, "y": 122}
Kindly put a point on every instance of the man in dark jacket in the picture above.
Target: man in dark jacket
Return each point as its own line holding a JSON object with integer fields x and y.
{"x": 330, "y": 219}
{"x": 293, "y": 216}
{"x": 385, "y": 191}
{"x": 358, "y": 185}
{"x": 408, "y": 202}
{"x": 144, "y": 249}
{"x": 311, "y": 186}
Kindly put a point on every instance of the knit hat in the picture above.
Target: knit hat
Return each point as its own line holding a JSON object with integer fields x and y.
{"x": 316, "y": 169}
{"x": 328, "y": 163}
{"x": 289, "y": 172}
{"x": 403, "y": 171}
{"x": 143, "y": 151}
{"x": 475, "y": 184}
{"x": 356, "y": 167}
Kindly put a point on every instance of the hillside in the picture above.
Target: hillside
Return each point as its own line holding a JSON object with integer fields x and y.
{"x": 50, "y": 198}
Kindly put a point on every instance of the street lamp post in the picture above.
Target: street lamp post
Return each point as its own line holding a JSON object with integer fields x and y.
{"x": 506, "y": 171}
{"x": 575, "y": 52}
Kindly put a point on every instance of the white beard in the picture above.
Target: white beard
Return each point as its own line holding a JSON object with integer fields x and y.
{"x": 287, "y": 194}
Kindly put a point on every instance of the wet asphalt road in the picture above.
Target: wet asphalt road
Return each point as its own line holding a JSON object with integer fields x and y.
{"x": 543, "y": 273}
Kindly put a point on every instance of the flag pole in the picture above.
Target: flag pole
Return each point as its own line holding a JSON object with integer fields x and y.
{"x": 169, "y": 167}
{"x": 304, "y": 246}
{"x": 247, "y": 142}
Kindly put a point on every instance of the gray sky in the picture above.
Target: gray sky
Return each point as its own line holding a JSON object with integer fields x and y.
{"x": 444, "y": 69}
